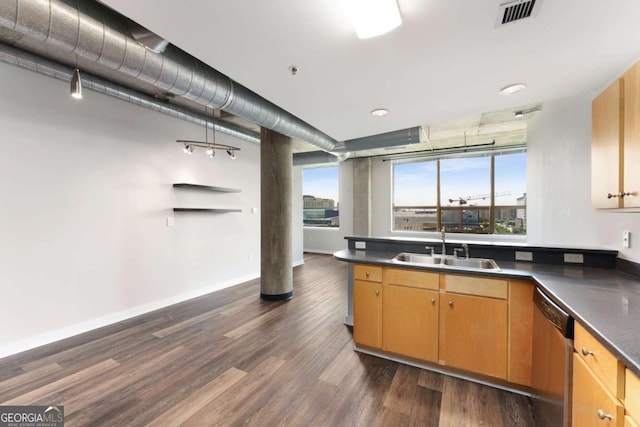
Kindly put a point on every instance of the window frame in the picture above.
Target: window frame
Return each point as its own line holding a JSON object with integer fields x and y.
{"x": 492, "y": 207}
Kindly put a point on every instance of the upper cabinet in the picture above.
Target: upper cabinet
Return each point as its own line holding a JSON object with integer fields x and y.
{"x": 615, "y": 145}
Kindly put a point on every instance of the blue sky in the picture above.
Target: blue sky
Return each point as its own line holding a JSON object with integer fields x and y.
{"x": 321, "y": 182}
{"x": 415, "y": 183}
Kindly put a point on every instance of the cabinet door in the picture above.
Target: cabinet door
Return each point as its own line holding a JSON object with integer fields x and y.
{"x": 367, "y": 313}
{"x": 410, "y": 322}
{"x": 593, "y": 405}
{"x": 606, "y": 139}
{"x": 631, "y": 183}
{"x": 473, "y": 334}
{"x": 520, "y": 332}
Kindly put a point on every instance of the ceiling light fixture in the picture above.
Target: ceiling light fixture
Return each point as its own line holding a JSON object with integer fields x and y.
{"x": 76, "y": 83}
{"x": 209, "y": 147}
{"x": 380, "y": 112}
{"x": 512, "y": 88}
{"x": 371, "y": 18}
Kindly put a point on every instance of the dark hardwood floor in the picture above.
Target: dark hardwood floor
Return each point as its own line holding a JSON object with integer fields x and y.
{"x": 229, "y": 358}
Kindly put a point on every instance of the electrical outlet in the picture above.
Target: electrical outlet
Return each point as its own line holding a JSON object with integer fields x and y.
{"x": 524, "y": 256}
{"x": 626, "y": 239}
{"x": 361, "y": 245}
{"x": 573, "y": 258}
{"x": 170, "y": 221}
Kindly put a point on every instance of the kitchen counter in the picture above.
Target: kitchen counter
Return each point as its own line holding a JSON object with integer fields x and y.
{"x": 605, "y": 301}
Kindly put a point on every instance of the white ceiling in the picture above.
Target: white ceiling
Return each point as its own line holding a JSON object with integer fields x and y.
{"x": 446, "y": 61}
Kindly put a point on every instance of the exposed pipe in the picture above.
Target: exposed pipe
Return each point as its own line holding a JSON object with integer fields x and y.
{"x": 53, "y": 69}
{"x": 98, "y": 34}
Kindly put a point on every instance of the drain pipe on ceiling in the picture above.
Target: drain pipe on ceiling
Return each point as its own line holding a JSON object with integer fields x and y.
{"x": 53, "y": 69}
{"x": 98, "y": 34}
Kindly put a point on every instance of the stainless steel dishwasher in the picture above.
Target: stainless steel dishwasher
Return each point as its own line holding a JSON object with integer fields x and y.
{"x": 552, "y": 363}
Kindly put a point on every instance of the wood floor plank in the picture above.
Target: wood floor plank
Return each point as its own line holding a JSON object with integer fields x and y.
{"x": 184, "y": 324}
{"x": 36, "y": 396}
{"x": 29, "y": 376}
{"x": 187, "y": 408}
{"x": 431, "y": 380}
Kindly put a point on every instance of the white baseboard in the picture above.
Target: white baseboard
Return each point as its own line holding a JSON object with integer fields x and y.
{"x": 89, "y": 325}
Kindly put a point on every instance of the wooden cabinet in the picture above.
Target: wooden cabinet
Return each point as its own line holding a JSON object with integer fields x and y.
{"x": 603, "y": 364}
{"x": 473, "y": 333}
{"x": 632, "y": 397}
{"x": 474, "y": 323}
{"x": 630, "y": 422}
{"x": 367, "y": 306}
{"x": 520, "y": 334}
{"x": 410, "y": 313}
{"x": 615, "y": 143}
{"x": 593, "y": 405}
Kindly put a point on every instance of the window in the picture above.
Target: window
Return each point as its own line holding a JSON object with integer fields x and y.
{"x": 320, "y": 189}
{"x": 481, "y": 195}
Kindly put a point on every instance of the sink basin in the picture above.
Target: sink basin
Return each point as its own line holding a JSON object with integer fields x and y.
{"x": 417, "y": 258}
{"x": 478, "y": 263}
{"x": 446, "y": 262}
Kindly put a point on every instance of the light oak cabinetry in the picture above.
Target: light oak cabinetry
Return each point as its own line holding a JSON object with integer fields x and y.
{"x": 615, "y": 143}
{"x": 410, "y": 313}
{"x": 367, "y": 305}
{"x": 632, "y": 399}
{"x": 593, "y": 405}
{"x": 520, "y": 333}
{"x": 473, "y": 323}
{"x": 600, "y": 386}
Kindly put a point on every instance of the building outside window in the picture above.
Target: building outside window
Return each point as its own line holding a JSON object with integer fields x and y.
{"x": 477, "y": 195}
{"x": 320, "y": 189}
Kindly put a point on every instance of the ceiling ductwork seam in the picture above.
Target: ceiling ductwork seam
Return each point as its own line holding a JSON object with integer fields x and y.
{"x": 95, "y": 33}
{"x": 58, "y": 71}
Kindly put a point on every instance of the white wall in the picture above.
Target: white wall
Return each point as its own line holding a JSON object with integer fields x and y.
{"x": 327, "y": 240}
{"x": 559, "y": 211}
{"x": 86, "y": 192}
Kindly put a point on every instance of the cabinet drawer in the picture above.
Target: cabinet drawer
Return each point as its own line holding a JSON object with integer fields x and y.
{"x": 412, "y": 278}
{"x": 604, "y": 364}
{"x": 592, "y": 403}
{"x": 632, "y": 394}
{"x": 480, "y": 286}
{"x": 369, "y": 273}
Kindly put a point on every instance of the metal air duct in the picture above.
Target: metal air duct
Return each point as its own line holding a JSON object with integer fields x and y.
{"x": 390, "y": 139}
{"x": 95, "y": 33}
{"x": 49, "y": 68}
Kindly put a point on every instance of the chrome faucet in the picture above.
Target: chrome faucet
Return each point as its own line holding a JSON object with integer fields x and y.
{"x": 444, "y": 235}
{"x": 464, "y": 248}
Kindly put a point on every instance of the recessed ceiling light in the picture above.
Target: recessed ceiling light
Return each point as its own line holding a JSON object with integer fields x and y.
{"x": 513, "y": 88}
{"x": 371, "y": 18}
{"x": 380, "y": 112}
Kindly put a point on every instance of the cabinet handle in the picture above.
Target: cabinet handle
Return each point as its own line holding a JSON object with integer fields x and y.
{"x": 366, "y": 273}
{"x": 603, "y": 415}
{"x": 450, "y": 303}
{"x": 377, "y": 292}
{"x": 620, "y": 194}
{"x": 586, "y": 352}
{"x": 433, "y": 301}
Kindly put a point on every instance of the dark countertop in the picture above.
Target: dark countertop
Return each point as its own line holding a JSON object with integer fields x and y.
{"x": 605, "y": 301}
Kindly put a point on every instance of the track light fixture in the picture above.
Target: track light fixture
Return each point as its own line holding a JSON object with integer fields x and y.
{"x": 210, "y": 147}
{"x": 76, "y": 84}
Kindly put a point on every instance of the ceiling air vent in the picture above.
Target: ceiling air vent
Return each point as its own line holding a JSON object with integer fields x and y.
{"x": 517, "y": 10}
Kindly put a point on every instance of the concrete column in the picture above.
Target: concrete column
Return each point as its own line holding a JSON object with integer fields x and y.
{"x": 276, "y": 170}
{"x": 362, "y": 197}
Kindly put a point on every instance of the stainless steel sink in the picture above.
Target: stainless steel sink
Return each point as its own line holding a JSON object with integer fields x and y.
{"x": 417, "y": 258}
{"x": 478, "y": 263}
{"x": 446, "y": 262}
